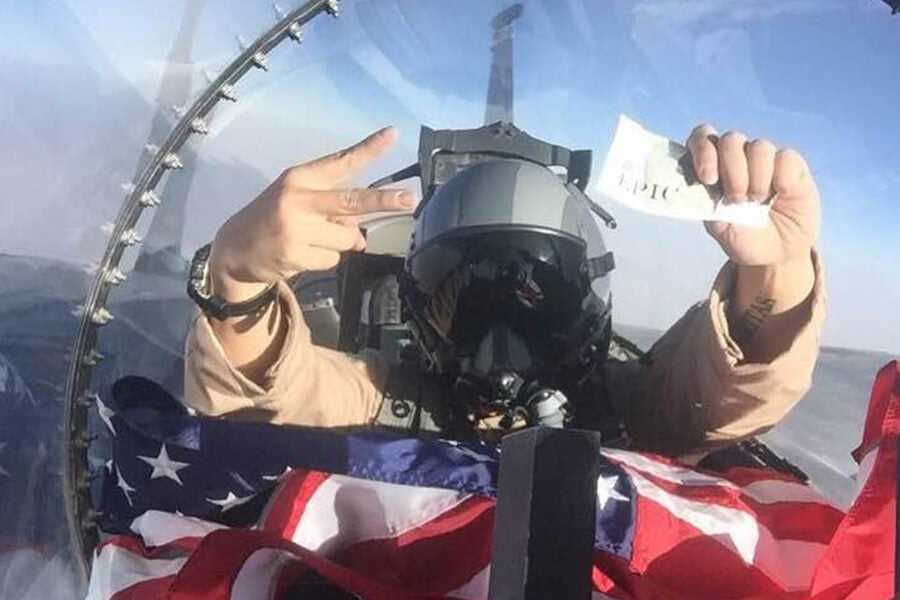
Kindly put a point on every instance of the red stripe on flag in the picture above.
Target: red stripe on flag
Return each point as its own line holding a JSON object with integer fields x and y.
{"x": 436, "y": 557}
{"x": 290, "y": 500}
{"x": 676, "y": 560}
{"x": 737, "y": 475}
{"x": 288, "y": 578}
{"x": 802, "y": 521}
{"x": 617, "y": 580}
{"x": 211, "y": 571}
{"x": 859, "y": 562}
{"x": 885, "y": 389}
{"x": 601, "y": 580}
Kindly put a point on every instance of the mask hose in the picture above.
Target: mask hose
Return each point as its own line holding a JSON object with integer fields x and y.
{"x": 549, "y": 408}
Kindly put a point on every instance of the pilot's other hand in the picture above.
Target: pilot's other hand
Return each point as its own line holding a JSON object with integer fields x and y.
{"x": 754, "y": 171}
{"x": 301, "y": 222}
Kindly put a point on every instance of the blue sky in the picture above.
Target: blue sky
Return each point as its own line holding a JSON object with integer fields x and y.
{"x": 818, "y": 75}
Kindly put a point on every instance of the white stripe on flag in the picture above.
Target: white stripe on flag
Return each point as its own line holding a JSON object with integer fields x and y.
{"x": 764, "y": 491}
{"x": 476, "y": 588}
{"x": 258, "y": 577}
{"x": 158, "y": 528}
{"x": 770, "y": 491}
{"x": 739, "y": 527}
{"x": 671, "y": 473}
{"x": 789, "y": 563}
{"x": 345, "y": 511}
{"x": 116, "y": 569}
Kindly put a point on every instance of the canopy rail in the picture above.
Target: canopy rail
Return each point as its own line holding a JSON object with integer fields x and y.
{"x": 94, "y": 314}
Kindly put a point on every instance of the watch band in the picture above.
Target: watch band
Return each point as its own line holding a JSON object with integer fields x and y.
{"x": 215, "y": 305}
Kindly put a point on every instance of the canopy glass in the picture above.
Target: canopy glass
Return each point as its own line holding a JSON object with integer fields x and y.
{"x": 92, "y": 90}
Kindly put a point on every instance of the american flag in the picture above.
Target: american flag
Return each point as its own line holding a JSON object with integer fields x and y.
{"x": 207, "y": 508}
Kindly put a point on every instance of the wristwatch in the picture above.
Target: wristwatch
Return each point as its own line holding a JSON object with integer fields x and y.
{"x": 214, "y": 305}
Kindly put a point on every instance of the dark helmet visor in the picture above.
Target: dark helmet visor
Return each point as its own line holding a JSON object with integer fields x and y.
{"x": 533, "y": 281}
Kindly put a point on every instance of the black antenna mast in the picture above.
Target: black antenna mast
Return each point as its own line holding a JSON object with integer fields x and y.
{"x": 500, "y": 87}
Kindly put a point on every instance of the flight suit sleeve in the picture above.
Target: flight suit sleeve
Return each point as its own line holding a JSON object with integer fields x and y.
{"x": 308, "y": 385}
{"x": 694, "y": 391}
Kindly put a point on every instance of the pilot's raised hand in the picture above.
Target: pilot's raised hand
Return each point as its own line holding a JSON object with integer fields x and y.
{"x": 756, "y": 171}
{"x": 775, "y": 274}
{"x": 301, "y": 222}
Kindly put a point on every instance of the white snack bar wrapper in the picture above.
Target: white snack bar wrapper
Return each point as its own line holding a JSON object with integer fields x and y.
{"x": 652, "y": 174}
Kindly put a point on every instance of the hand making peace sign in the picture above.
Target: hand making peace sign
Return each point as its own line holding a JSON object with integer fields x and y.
{"x": 301, "y": 222}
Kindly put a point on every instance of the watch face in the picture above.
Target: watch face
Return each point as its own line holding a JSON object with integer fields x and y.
{"x": 199, "y": 269}
{"x": 214, "y": 305}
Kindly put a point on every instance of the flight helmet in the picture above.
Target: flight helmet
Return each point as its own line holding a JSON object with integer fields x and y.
{"x": 506, "y": 284}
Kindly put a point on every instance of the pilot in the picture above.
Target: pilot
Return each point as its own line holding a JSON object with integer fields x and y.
{"x": 508, "y": 298}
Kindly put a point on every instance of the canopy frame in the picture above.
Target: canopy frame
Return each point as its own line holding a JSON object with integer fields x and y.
{"x": 80, "y": 398}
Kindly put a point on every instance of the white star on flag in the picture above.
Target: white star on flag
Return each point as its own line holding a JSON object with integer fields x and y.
{"x": 106, "y": 414}
{"x": 230, "y": 501}
{"x": 163, "y": 466}
{"x": 277, "y": 477}
{"x": 606, "y": 491}
{"x": 123, "y": 485}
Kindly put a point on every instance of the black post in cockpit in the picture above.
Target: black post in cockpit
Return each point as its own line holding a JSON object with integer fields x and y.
{"x": 500, "y": 87}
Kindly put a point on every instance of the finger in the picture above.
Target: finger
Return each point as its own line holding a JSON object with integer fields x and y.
{"x": 330, "y": 170}
{"x": 358, "y": 201}
{"x": 715, "y": 228}
{"x": 701, "y": 143}
{"x": 351, "y": 221}
{"x": 733, "y": 171}
{"x": 315, "y": 231}
{"x": 346, "y": 221}
{"x": 761, "y": 168}
{"x": 791, "y": 175}
{"x": 360, "y": 242}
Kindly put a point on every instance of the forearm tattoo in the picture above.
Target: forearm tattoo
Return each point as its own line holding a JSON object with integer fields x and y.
{"x": 753, "y": 319}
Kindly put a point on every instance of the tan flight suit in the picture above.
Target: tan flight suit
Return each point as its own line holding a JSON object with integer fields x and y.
{"x": 694, "y": 394}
